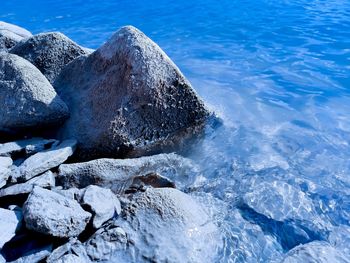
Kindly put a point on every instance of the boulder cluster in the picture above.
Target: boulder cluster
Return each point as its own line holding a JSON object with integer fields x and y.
{"x": 63, "y": 106}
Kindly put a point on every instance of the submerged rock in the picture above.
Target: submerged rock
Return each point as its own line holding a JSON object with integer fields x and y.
{"x": 49, "y": 52}
{"x": 27, "y": 99}
{"x": 11, "y": 34}
{"x": 103, "y": 204}
{"x": 10, "y": 223}
{"x": 29, "y": 146}
{"x": 128, "y": 98}
{"x": 50, "y": 213}
{"x": 165, "y": 225}
{"x": 45, "y": 160}
{"x": 316, "y": 252}
{"x": 119, "y": 174}
{"x": 45, "y": 180}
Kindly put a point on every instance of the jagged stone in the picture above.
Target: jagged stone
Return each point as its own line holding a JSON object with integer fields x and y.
{"x": 29, "y": 146}
{"x": 50, "y": 213}
{"x": 27, "y": 99}
{"x": 103, "y": 204}
{"x": 128, "y": 98}
{"x": 11, "y": 34}
{"x": 49, "y": 52}
{"x": 46, "y": 180}
{"x": 45, "y": 160}
{"x": 10, "y": 223}
{"x": 34, "y": 257}
{"x": 119, "y": 174}
{"x": 71, "y": 252}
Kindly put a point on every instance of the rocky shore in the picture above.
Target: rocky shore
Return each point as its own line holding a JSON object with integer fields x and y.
{"x": 86, "y": 169}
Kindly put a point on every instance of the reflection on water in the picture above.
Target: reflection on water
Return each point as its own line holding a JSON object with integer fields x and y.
{"x": 277, "y": 72}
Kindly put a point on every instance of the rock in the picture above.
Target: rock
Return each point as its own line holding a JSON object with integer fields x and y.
{"x": 161, "y": 225}
{"x": 29, "y": 146}
{"x": 5, "y": 162}
{"x": 50, "y": 213}
{"x": 11, "y": 34}
{"x": 49, "y": 52}
{"x": 103, "y": 204}
{"x": 27, "y": 99}
{"x": 127, "y": 99}
{"x": 316, "y": 252}
{"x": 10, "y": 223}
{"x": 71, "y": 252}
{"x": 45, "y": 160}
{"x": 105, "y": 241}
{"x": 46, "y": 180}
{"x": 35, "y": 257}
{"x": 119, "y": 174}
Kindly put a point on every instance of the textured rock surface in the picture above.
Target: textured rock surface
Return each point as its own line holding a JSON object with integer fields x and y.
{"x": 5, "y": 172}
{"x": 127, "y": 98}
{"x": 119, "y": 174}
{"x": 27, "y": 99}
{"x": 45, "y": 160}
{"x": 49, "y": 52}
{"x": 103, "y": 204}
{"x": 29, "y": 146}
{"x": 166, "y": 225}
{"x": 316, "y": 252}
{"x": 11, "y": 34}
{"x": 50, "y": 213}
{"x": 36, "y": 257}
{"x": 71, "y": 252}
{"x": 10, "y": 223}
{"x": 45, "y": 180}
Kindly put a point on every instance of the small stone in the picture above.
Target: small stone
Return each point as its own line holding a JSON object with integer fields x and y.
{"x": 10, "y": 223}
{"x": 71, "y": 252}
{"x": 103, "y": 204}
{"x": 50, "y": 213}
{"x": 29, "y": 146}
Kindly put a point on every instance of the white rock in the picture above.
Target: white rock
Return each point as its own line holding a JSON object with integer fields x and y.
{"x": 10, "y": 223}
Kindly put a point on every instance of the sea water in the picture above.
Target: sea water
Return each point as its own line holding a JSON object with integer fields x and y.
{"x": 276, "y": 173}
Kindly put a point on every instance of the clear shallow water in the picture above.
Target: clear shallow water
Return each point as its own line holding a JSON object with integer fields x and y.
{"x": 277, "y": 172}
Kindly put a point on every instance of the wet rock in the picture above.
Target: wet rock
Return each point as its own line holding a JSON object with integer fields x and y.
{"x": 103, "y": 204}
{"x": 119, "y": 174}
{"x": 71, "y": 252}
{"x": 316, "y": 252}
{"x": 27, "y": 99}
{"x": 27, "y": 147}
{"x": 105, "y": 242}
{"x": 11, "y": 34}
{"x": 50, "y": 213}
{"x": 10, "y": 223}
{"x": 127, "y": 99}
{"x": 166, "y": 225}
{"x": 49, "y": 52}
{"x": 45, "y": 160}
{"x": 46, "y": 180}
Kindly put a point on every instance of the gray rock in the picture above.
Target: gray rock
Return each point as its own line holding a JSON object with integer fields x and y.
{"x": 5, "y": 162}
{"x": 10, "y": 223}
{"x": 161, "y": 225}
{"x": 72, "y": 193}
{"x": 45, "y": 160}
{"x": 119, "y": 174}
{"x": 29, "y": 146}
{"x": 128, "y": 98}
{"x": 11, "y": 34}
{"x": 103, "y": 204}
{"x": 27, "y": 99}
{"x": 105, "y": 242}
{"x": 35, "y": 257}
{"x": 49, "y": 52}
{"x": 71, "y": 252}
{"x": 15, "y": 29}
{"x": 315, "y": 252}
{"x": 46, "y": 180}
{"x": 50, "y": 213}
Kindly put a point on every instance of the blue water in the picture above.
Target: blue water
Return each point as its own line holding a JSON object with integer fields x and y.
{"x": 277, "y": 172}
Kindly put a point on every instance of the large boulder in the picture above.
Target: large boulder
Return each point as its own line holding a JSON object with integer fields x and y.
{"x": 158, "y": 225}
{"x": 11, "y": 34}
{"x": 49, "y": 52}
{"x": 27, "y": 99}
{"x": 128, "y": 98}
{"x": 119, "y": 174}
{"x": 50, "y": 213}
